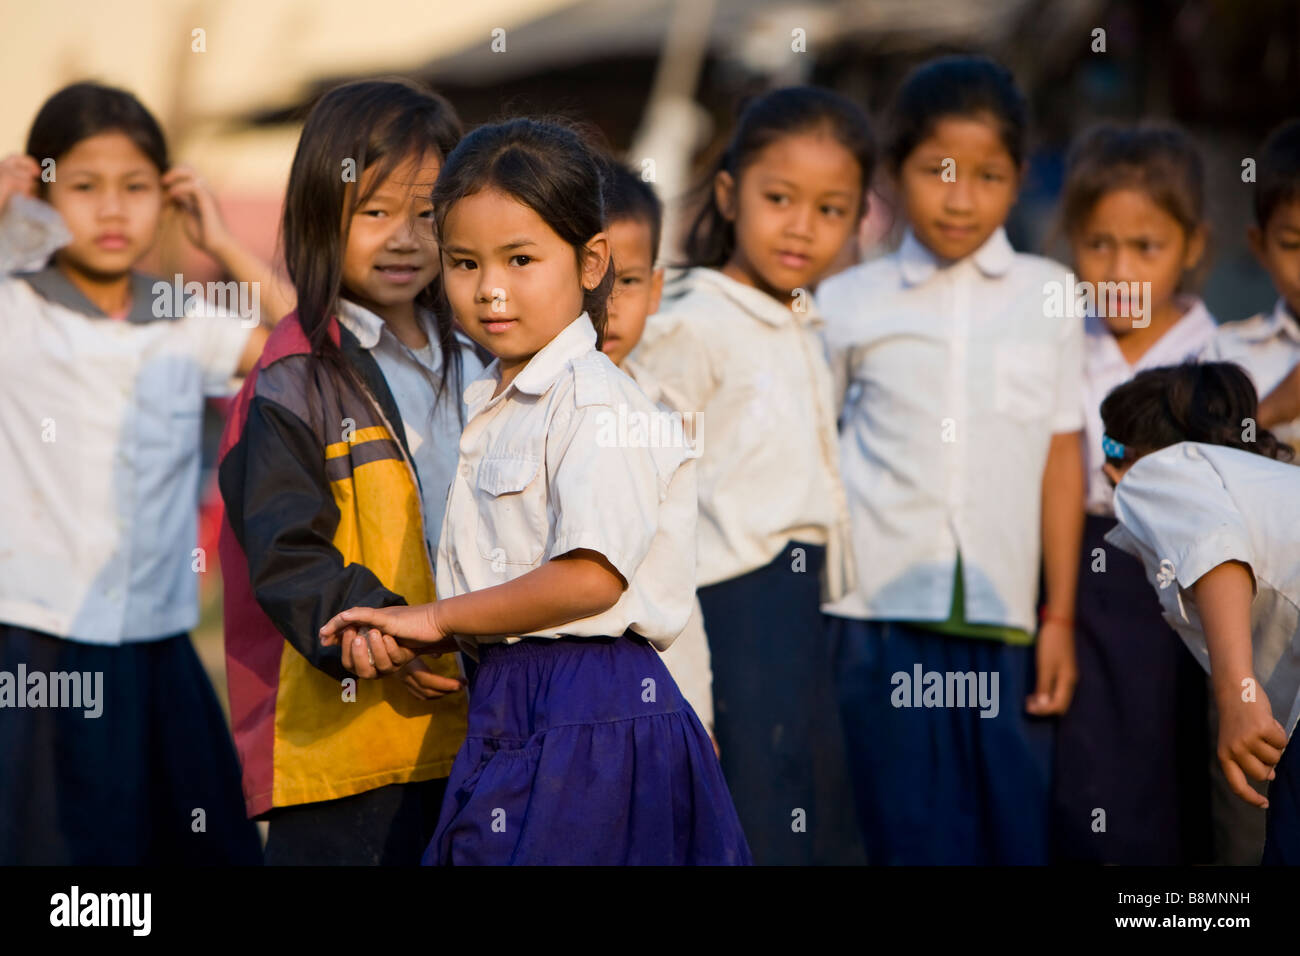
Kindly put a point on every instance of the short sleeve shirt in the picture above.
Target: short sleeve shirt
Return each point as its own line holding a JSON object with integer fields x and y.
{"x": 100, "y": 429}
{"x": 1188, "y": 508}
{"x": 953, "y": 379}
{"x": 573, "y": 455}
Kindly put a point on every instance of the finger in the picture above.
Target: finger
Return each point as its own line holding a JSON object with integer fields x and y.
{"x": 1252, "y": 765}
{"x": 353, "y": 615}
{"x": 431, "y": 681}
{"x": 400, "y": 656}
{"x": 1276, "y": 736}
{"x": 1237, "y": 781}
{"x": 345, "y": 647}
{"x": 1265, "y": 751}
{"x": 379, "y": 653}
{"x": 361, "y": 659}
{"x": 415, "y": 689}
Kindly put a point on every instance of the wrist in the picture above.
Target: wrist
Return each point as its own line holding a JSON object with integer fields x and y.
{"x": 1055, "y": 615}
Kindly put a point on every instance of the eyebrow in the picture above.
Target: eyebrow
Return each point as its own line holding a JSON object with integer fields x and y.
{"x": 777, "y": 180}
{"x": 508, "y": 247}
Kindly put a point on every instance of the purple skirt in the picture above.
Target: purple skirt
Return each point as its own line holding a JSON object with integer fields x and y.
{"x": 583, "y": 751}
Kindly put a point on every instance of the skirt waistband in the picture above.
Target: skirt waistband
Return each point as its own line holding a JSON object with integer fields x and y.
{"x": 529, "y": 647}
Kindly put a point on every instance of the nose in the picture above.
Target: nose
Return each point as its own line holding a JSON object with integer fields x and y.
{"x": 403, "y": 237}
{"x": 800, "y": 223}
{"x": 111, "y": 204}
{"x": 958, "y": 197}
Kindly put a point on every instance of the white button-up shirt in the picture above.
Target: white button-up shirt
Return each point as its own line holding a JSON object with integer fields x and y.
{"x": 100, "y": 428}
{"x": 1105, "y": 368}
{"x": 956, "y": 378}
{"x": 572, "y": 455}
{"x": 1267, "y": 346}
{"x": 689, "y": 659}
{"x": 1188, "y": 508}
{"x": 755, "y": 372}
{"x": 432, "y": 432}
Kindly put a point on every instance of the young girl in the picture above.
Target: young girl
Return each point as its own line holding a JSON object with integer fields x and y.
{"x": 335, "y": 467}
{"x": 962, "y": 465}
{"x": 741, "y": 349}
{"x": 114, "y": 747}
{"x": 1209, "y": 508}
{"x": 1134, "y": 741}
{"x": 566, "y": 548}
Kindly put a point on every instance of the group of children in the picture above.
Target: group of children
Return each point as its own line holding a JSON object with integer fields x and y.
{"x": 890, "y": 580}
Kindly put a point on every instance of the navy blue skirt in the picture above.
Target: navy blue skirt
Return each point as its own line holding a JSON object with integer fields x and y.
{"x": 775, "y": 716}
{"x": 1282, "y": 840}
{"x": 583, "y": 751}
{"x": 1132, "y": 779}
{"x": 943, "y": 784}
{"x": 151, "y": 780}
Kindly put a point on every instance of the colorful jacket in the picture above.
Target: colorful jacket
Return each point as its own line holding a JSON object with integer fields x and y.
{"x": 322, "y": 514}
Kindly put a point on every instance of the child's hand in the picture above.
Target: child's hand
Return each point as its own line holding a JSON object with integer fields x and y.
{"x": 403, "y": 631}
{"x": 1057, "y": 670}
{"x": 198, "y": 206}
{"x": 425, "y": 684}
{"x": 18, "y": 176}
{"x": 1250, "y": 742}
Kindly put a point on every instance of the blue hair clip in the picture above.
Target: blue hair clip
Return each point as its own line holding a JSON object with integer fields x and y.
{"x": 1112, "y": 448}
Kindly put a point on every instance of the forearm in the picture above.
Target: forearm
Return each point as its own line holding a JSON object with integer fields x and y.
{"x": 276, "y": 297}
{"x": 1283, "y": 403}
{"x": 1223, "y": 596}
{"x": 561, "y": 590}
{"x": 1062, "y": 523}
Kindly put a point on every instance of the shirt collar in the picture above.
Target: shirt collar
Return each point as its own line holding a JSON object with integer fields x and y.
{"x": 369, "y": 328}
{"x": 918, "y": 263}
{"x": 1183, "y": 340}
{"x": 535, "y": 378}
{"x": 53, "y": 286}
{"x": 756, "y": 302}
{"x": 1279, "y": 322}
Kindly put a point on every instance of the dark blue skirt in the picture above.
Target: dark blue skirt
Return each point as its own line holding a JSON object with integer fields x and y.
{"x": 775, "y": 716}
{"x": 1133, "y": 753}
{"x": 152, "y": 780}
{"x": 583, "y": 751}
{"x": 1282, "y": 841}
{"x": 942, "y": 784}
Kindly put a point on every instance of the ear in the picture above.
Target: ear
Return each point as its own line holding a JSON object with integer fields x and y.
{"x": 1255, "y": 239}
{"x": 1195, "y": 248}
{"x": 656, "y": 289}
{"x": 595, "y": 260}
{"x": 724, "y": 194}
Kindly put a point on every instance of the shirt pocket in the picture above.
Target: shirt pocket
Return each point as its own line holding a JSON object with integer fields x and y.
{"x": 511, "y": 516}
{"x": 1024, "y": 381}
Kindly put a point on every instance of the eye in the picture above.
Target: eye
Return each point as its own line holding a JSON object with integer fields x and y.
{"x": 466, "y": 264}
{"x": 834, "y": 211}
{"x": 994, "y": 177}
{"x": 522, "y": 260}
{"x": 629, "y": 280}
{"x": 376, "y": 213}
{"x": 83, "y": 187}
{"x": 137, "y": 187}
{"x": 779, "y": 199}
{"x": 1289, "y": 246}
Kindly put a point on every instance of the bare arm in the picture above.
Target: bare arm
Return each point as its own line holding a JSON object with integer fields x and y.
{"x": 1283, "y": 403}
{"x": 1062, "y": 531}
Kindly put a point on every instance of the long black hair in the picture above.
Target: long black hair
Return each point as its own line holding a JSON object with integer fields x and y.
{"x": 372, "y": 123}
{"x": 1212, "y": 403}
{"x": 546, "y": 164}
{"x": 83, "y": 110}
{"x": 775, "y": 115}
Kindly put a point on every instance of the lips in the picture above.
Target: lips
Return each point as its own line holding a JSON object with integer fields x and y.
{"x": 400, "y": 274}
{"x": 111, "y": 240}
{"x": 793, "y": 260}
{"x": 497, "y": 325}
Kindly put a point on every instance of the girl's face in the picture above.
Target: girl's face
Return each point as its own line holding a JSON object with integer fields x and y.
{"x": 958, "y": 185}
{"x": 512, "y": 281}
{"x": 390, "y": 254}
{"x": 1127, "y": 238}
{"x": 110, "y": 196}
{"x": 795, "y": 206}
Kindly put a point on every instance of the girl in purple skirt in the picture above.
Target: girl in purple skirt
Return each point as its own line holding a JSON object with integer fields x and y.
{"x": 567, "y": 555}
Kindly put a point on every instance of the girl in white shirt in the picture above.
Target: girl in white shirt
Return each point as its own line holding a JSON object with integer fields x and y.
{"x": 741, "y": 349}
{"x": 567, "y": 547}
{"x": 1205, "y": 501}
{"x": 102, "y": 386}
{"x": 961, "y": 457}
{"x": 1134, "y": 741}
